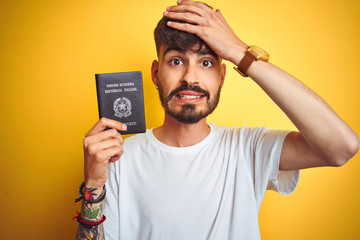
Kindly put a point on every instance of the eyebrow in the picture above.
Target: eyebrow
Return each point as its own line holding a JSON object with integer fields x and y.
{"x": 202, "y": 52}
{"x": 207, "y": 52}
{"x": 175, "y": 49}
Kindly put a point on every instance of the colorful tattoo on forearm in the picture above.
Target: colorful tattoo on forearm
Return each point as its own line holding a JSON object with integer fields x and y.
{"x": 89, "y": 193}
{"x": 90, "y": 214}
{"x": 89, "y": 234}
{"x": 95, "y": 232}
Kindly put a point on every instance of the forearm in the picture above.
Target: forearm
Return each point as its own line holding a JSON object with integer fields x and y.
{"x": 101, "y": 147}
{"x": 91, "y": 213}
{"x": 320, "y": 126}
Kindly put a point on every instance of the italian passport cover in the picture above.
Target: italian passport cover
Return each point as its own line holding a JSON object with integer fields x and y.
{"x": 120, "y": 97}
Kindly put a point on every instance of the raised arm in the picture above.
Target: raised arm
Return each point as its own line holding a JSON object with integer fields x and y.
{"x": 324, "y": 139}
{"x": 101, "y": 147}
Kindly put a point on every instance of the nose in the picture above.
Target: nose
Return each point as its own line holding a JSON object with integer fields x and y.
{"x": 190, "y": 75}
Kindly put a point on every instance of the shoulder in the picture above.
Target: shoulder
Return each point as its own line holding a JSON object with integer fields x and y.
{"x": 241, "y": 132}
{"x": 247, "y": 137}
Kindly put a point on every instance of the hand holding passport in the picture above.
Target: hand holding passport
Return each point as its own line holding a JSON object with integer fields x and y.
{"x": 120, "y": 97}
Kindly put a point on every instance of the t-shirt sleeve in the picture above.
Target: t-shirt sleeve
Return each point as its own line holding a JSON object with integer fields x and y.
{"x": 266, "y": 146}
{"x": 111, "y": 206}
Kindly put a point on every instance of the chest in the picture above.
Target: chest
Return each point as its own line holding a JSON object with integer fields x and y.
{"x": 181, "y": 189}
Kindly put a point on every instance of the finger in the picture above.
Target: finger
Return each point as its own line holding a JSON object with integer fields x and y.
{"x": 99, "y": 146}
{"x": 187, "y": 17}
{"x": 114, "y": 158}
{"x": 199, "y": 4}
{"x": 104, "y": 123}
{"x": 102, "y": 136}
{"x": 185, "y": 27}
{"x": 102, "y": 159}
{"x": 221, "y": 17}
{"x": 113, "y": 154}
{"x": 186, "y": 8}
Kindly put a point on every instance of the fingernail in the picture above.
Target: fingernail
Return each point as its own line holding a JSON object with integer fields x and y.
{"x": 166, "y": 12}
{"x": 179, "y": 1}
{"x": 167, "y": 8}
{"x": 123, "y": 127}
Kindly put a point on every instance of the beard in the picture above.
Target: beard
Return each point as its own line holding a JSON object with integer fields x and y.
{"x": 188, "y": 113}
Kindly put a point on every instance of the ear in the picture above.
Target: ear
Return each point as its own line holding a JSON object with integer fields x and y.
{"x": 154, "y": 72}
{"x": 223, "y": 73}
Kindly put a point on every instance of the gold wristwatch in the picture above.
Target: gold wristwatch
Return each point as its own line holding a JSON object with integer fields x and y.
{"x": 253, "y": 53}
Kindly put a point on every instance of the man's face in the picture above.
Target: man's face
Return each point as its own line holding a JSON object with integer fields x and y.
{"x": 189, "y": 82}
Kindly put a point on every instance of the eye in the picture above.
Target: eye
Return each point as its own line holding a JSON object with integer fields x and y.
{"x": 206, "y": 63}
{"x": 176, "y": 62}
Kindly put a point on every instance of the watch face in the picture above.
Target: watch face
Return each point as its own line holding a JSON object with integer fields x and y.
{"x": 259, "y": 53}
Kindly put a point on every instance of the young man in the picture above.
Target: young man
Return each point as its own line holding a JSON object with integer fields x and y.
{"x": 191, "y": 180}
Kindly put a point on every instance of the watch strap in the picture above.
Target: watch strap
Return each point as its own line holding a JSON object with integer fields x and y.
{"x": 245, "y": 63}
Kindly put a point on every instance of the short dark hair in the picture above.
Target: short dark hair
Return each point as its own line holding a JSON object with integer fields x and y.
{"x": 173, "y": 38}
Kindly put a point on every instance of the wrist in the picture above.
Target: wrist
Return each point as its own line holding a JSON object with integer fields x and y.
{"x": 91, "y": 194}
{"x": 88, "y": 183}
{"x": 237, "y": 53}
{"x": 252, "y": 54}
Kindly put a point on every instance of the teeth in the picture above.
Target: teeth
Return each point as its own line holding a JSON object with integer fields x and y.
{"x": 189, "y": 97}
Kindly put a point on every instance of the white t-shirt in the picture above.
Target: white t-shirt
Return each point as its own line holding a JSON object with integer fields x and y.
{"x": 211, "y": 190}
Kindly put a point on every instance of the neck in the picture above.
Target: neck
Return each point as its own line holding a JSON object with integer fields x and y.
{"x": 176, "y": 134}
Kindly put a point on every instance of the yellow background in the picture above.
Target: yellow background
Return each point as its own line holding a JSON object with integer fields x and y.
{"x": 50, "y": 51}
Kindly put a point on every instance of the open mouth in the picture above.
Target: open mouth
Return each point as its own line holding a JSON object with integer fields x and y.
{"x": 189, "y": 96}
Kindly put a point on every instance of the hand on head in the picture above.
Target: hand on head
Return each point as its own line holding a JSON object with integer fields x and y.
{"x": 210, "y": 26}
